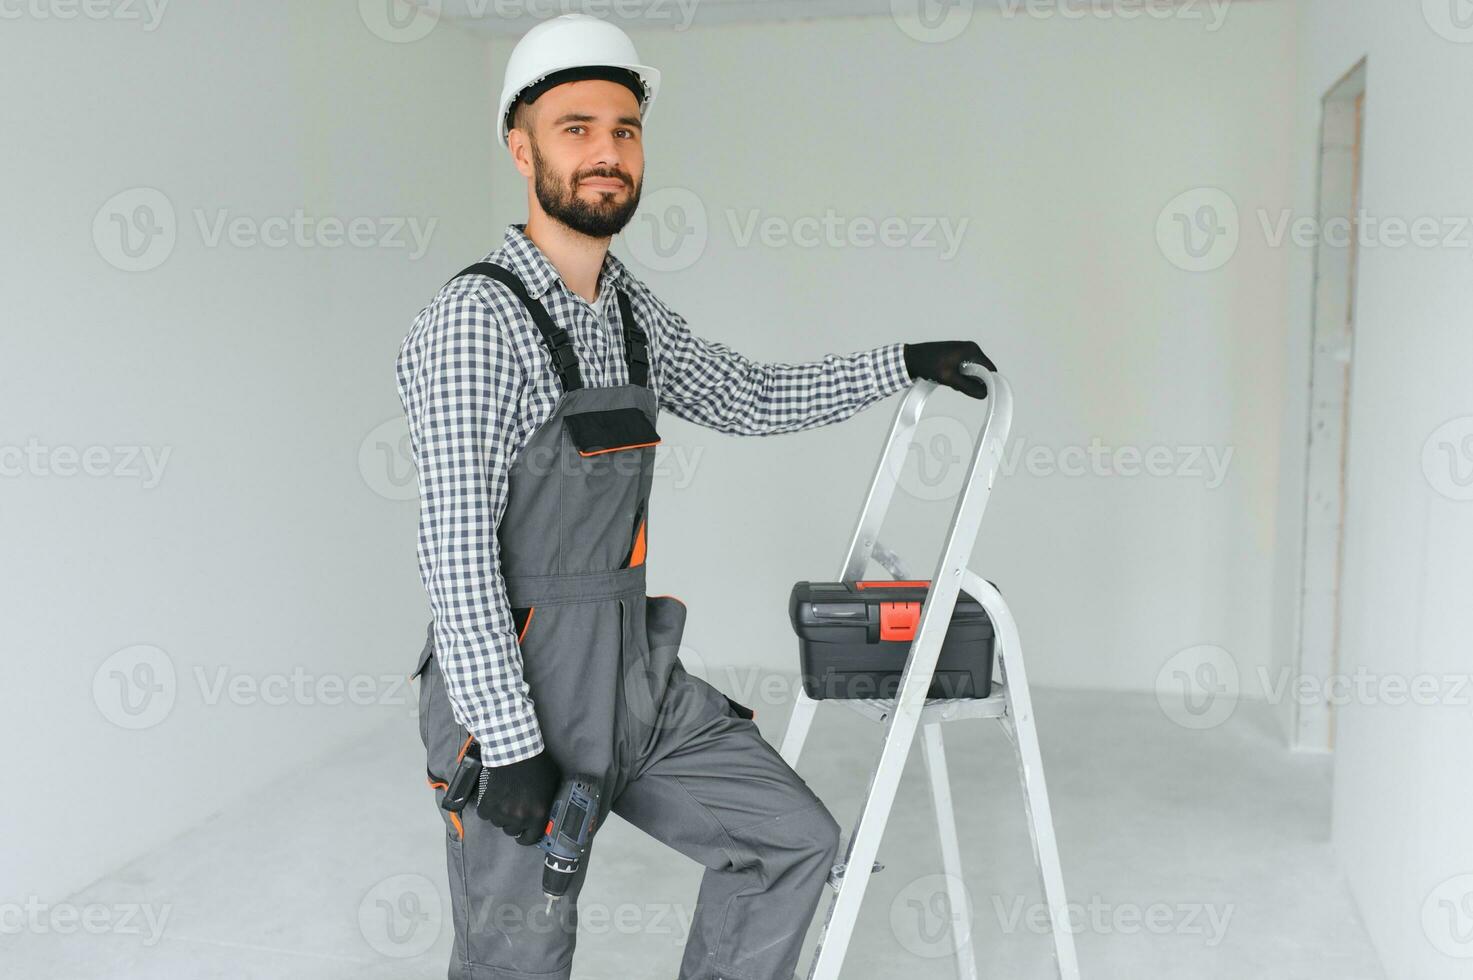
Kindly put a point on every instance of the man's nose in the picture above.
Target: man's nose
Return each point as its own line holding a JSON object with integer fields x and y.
{"x": 606, "y": 152}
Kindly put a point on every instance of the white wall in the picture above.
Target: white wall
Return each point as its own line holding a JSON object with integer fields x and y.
{"x": 1403, "y": 776}
{"x": 261, "y": 371}
{"x": 1058, "y": 142}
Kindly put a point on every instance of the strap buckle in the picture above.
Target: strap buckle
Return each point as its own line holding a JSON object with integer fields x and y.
{"x": 561, "y": 348}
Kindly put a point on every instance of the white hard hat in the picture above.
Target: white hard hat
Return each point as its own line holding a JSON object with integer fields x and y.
{"x": 570, "y": 41}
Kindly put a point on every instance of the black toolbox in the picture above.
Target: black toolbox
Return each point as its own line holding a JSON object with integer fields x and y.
{"x": 853, "y": 638}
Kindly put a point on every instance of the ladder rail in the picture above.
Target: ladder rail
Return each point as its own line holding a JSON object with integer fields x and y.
{"x": 925, "y": 649}
{"x": 1012, "y": 705}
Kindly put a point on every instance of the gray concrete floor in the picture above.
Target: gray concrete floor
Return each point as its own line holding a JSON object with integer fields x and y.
{"x": 1187, "y": 855}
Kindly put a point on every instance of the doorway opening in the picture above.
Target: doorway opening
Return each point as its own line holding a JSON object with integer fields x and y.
{"x": 1333, "y": 335}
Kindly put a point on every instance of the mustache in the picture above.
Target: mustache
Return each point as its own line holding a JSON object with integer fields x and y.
{"x": 609, "y": 175}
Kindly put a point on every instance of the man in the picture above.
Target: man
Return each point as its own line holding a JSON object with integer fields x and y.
{"x": 532, "y": 384}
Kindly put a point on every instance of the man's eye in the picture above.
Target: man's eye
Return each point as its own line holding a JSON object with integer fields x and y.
{"x": 571, "y": 128}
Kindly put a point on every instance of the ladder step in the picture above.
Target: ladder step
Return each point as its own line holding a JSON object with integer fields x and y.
{"x": 836, "y": 873}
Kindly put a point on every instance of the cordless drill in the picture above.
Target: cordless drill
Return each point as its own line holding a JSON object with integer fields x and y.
{"x": 570, "y": 827}
{"x": 570, "y": 823}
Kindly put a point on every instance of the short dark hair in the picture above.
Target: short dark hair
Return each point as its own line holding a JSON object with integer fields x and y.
{"x": 532, "y": 92}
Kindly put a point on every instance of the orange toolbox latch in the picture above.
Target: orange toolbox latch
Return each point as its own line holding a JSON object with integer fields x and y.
{"x": 898, "y": 620}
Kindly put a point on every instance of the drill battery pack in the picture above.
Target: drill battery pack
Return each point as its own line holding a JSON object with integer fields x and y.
{"x": 853, "y": 638}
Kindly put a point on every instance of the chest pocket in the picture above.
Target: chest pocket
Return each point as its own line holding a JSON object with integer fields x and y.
{"x": 609, "y": 431}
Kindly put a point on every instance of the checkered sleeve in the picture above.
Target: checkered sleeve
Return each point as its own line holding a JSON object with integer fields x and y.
{"x": 708, "y": 383}
{"x": 460, "y": 380}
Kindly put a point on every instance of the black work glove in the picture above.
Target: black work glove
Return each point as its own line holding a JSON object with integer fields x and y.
{"x": 518, "y": 796}
{"x": 941, "y": 362}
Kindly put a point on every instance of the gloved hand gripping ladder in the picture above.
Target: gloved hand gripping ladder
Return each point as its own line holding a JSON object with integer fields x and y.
{"x": 1009, "y": 702}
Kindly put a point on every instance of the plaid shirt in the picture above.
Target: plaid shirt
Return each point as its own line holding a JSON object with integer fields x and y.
{"x": 476, "y": 382}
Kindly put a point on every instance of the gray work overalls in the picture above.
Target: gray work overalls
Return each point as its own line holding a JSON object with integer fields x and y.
{"x": 680, "y": 760}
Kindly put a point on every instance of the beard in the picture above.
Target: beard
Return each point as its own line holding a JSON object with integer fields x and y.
{"x": 559, "y": 198}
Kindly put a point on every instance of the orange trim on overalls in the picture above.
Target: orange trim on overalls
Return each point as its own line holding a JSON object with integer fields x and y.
{"x": 636, "y": 557}
{"x": 615, "y": 449}
{"x": 454, "y": 817}
{"x": 522, "y": 635}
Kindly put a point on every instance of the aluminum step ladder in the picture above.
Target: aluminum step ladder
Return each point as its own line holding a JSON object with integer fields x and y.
{"x": 910, "y": 709}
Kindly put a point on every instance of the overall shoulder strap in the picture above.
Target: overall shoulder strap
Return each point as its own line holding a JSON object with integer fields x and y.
{"x": 559, "y": 344}
{"x": 636, "y": 345}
